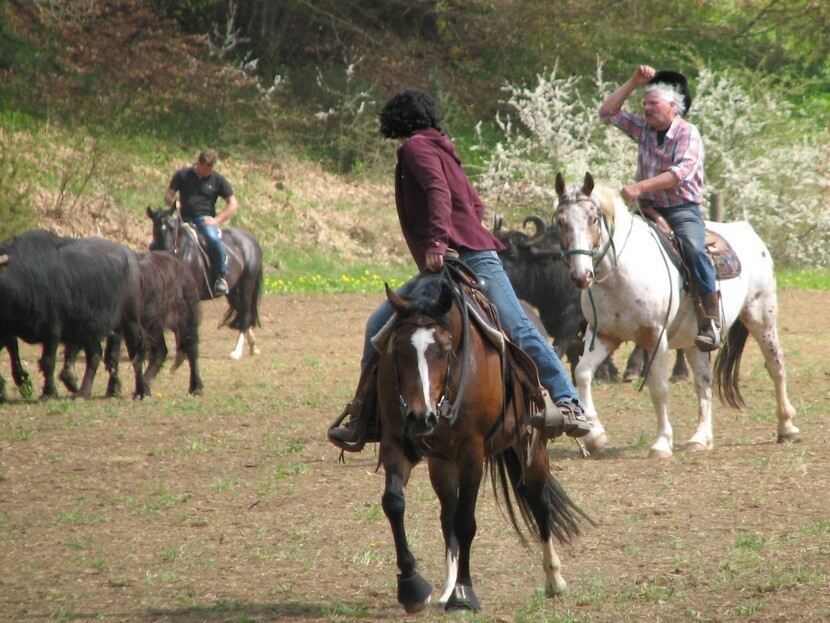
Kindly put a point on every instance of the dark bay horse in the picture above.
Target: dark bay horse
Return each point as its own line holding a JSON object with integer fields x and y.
{"x": 444, "y": 395}
{"x": 244, "y": 270}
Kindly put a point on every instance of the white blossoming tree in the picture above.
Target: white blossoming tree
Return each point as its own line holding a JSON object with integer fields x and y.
{"x": 765, "y": 167}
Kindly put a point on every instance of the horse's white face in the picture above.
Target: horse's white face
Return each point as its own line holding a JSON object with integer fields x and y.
{"x": 578, "y": 220}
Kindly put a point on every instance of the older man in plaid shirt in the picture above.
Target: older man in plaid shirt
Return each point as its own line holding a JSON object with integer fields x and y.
{"x": 669, "y": 179}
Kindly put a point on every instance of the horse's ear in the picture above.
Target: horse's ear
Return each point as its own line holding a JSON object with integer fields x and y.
{"x": 587, "y": 184}
{"x": 151, "y": 213}
{"x": 560, "y": 184}
{"x": 444, "y": 301}
{"x": 398, "y": 303}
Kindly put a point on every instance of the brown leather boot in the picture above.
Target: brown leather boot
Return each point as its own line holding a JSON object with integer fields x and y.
{"x": 362, "y": 425}
{"x": 708, "y": 323}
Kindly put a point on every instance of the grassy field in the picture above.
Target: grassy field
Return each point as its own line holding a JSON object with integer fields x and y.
{"x": 232, "y": 507}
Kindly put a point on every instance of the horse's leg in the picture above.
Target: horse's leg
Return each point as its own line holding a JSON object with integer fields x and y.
{"x": 680, "y": 372}
{"x": 444, "y": 478}
{"x": 534, "y": 482}
{"x": 413, "y": 590}
{"x": 92, "y": 350}
{"x": 67, "y": 373}
{"x": 111, "y": 354}
{"x": 463, "y": 597}
{"x": 703, "y": 439}
{"x": 596, "y": 439}
{"x": 253, "y": 349}
{"x": 634, "y": 366}
{"x": 763, "y": 330}
{"x": 236, "y": 354}
{"x": 658, "y": 389}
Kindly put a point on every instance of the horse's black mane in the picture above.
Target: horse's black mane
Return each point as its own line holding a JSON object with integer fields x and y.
{"x": 426, "y": 297}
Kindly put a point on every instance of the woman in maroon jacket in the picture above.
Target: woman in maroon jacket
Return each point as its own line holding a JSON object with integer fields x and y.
{"x": 439, "y": 209}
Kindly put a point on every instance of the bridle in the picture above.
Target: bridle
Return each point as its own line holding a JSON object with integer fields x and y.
{"x": 596, "y": 254}
{"x": 446, "y": 409}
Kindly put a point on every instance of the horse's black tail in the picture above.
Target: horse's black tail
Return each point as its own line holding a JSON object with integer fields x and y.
{"x": 727, "y": 368}
{"x": 243, "y": 312}
{"x": 564, "y": 515}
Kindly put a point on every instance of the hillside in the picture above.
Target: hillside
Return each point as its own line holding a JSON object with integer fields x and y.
{"x": 132, "y": 81}
{"x": 101, "y": 100}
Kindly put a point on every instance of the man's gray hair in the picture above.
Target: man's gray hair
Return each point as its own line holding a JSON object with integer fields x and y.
{"x": 670, "y": 93}
{"x": 207, "y": 157}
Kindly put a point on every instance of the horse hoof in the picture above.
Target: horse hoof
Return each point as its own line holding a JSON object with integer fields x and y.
{"x": 463, "y": 598}
{"x": 789, "y": 437}
{"x": 654, "y": 453}
{"x": 414, "y": 593}
{"x": 595, "y": 445}
{"x": 694, "y": 446}
{"x": 552, "y": 592}
{"x": 236, "y": 356}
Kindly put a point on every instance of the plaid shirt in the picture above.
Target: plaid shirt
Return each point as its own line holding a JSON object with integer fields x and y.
{"x": 681, "y": 153}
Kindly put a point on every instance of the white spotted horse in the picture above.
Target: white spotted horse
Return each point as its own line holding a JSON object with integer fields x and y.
{"x": 631, "y": 291}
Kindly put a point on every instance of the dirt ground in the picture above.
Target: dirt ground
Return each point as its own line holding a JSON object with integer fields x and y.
{"x": 232, "y": 506}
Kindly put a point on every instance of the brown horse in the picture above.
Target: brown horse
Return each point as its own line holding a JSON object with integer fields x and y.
{"x": 444, "y": 395}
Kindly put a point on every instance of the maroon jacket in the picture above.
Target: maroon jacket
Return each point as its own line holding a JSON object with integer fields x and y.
{"x": 437, "y": 205}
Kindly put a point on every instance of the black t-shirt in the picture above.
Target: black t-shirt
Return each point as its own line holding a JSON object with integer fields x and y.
{"x": 198, "y": 195}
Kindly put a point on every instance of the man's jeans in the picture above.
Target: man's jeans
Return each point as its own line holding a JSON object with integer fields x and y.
{"x": 687, "y": 224}
{"x": 216, "y": 248}
{"x": 496, "y": 286}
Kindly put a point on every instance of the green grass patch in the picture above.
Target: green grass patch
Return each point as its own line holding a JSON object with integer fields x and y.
{"x": 362, "y": 281}
{"x": 803, "y": 278}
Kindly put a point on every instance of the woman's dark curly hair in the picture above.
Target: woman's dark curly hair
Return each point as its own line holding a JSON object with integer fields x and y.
{"x": 407, "y": 112}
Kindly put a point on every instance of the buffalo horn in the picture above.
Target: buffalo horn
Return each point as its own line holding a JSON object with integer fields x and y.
{"x": 539, "y": 224}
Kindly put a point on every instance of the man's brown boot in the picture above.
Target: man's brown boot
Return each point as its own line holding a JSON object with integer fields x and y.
{"x": 708, "y": 322}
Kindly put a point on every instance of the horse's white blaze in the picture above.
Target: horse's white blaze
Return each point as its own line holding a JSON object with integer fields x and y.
{"x": 555, "y": 584}
{"x": 452, "y": 570}
{"x": 421, "y": 339}
{"x": 240, "y": 344}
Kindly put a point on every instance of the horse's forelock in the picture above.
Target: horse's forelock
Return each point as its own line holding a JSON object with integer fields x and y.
{"x": 424, "y": 299}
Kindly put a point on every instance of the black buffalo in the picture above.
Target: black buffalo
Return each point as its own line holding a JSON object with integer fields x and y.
{"x": 73, "y": 291}
{"x": 169, "y": 301}
{"x": 534, "y": 264}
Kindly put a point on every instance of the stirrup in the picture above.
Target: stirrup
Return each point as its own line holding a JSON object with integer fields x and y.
{"x": 347, "y": 438}
{"x": 220, "y": 287}
{"x": 709, "y": 338}
{"x": 566, "y": 416}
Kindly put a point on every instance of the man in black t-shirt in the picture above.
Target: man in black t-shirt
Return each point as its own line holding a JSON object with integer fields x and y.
{"x": 198, "y": 188}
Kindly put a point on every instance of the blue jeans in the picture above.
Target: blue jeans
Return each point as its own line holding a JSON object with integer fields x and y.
{"x": 687, "y": 224}
{"x": 216, "y": 248}
{"x": 496, "y": 286}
